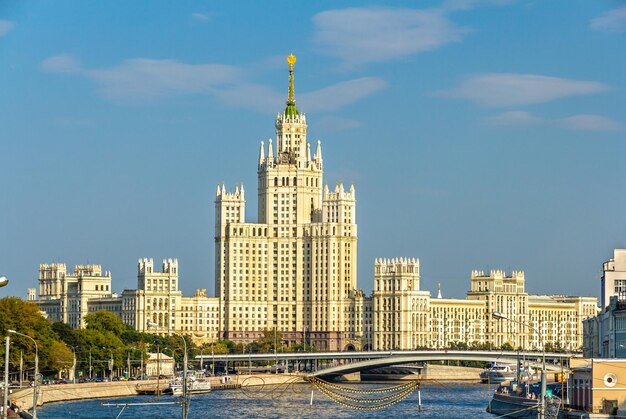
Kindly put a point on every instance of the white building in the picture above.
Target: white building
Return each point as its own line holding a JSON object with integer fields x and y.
{"x": 605, "y": 335}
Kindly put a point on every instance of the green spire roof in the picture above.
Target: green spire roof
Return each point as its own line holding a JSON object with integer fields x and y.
{"x": 291, "y": 109}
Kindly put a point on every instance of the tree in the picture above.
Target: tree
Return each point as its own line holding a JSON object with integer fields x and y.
{"x": 104, "y": 320}
{"x": 61, "y": 357}
{"x": 25, "y": 318}
{"x": 506, "y": 346}
{"x": 271, "y": 340}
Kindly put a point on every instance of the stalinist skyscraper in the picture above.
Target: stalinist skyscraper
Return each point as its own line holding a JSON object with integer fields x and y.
{"x": 296, "y": 269}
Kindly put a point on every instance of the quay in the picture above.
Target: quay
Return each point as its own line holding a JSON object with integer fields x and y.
{"x": 67, "y": 392}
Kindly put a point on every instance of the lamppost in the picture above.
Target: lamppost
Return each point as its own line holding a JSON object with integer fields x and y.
{"x": 213, "y": 359}
{"x": 74, "y": 362}
{"x": 275, "y": 353}
{"x": 185, "y": 403}
{"x": 6, "y": 379}
{"x": 111, "y": 364}
{"x": 3, "y": 281}
{"x": 90, "y": 364}
{"x": 542, "y": 400}
{"x": 36, "y": 370}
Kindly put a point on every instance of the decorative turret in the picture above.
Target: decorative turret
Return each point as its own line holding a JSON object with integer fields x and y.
{"x": 262, "y": 154}
{"x": 270, "y": 151}
{"x": 318, "y": 152}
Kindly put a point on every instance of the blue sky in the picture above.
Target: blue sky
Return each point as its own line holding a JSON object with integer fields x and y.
{"x": 478, "y": 134}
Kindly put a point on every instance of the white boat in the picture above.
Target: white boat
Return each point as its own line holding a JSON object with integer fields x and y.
{"x": 498, "y": 374}
{"x": 194, "y": 386}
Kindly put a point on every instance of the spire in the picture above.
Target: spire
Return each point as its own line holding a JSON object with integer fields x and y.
{"x": 262, "y": 153}
{"x": 318, "y": 152}
{"x": 270, "y": 151}
{"x": 308, "y": 151}
{"x": 291, "y": 109}
{"x": 439, "y": 290}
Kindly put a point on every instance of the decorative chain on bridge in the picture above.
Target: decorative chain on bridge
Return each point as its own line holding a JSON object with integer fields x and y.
{"x": 347, "y": 396}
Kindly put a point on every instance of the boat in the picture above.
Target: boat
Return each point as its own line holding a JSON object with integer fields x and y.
{"x": 522, "y": 401}
{"x": 498, "y": 374}
{"x": 194, "y": 386}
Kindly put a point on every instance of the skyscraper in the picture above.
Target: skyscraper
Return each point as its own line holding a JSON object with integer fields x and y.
{"x": 294, "y": 270}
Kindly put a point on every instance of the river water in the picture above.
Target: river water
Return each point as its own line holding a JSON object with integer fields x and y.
{"x": 439, "y": 400}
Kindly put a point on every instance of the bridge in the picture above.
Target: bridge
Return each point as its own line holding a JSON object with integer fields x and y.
{"x": 350, "y": 362}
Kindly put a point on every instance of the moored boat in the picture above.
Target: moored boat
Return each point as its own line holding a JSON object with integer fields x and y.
{"x": 194, "y": 386}
{"x": 498, "y": 374}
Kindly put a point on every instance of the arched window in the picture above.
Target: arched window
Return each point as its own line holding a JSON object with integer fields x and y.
{"x": 295, "y": 181}
{"x": 275, "y": 181}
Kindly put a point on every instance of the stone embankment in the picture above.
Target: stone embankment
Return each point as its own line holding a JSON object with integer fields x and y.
{"x": 66, "y": 392}
{"x": 450, "y": 373}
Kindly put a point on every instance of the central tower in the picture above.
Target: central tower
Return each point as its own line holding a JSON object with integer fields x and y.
{"x": 295, "y": 270}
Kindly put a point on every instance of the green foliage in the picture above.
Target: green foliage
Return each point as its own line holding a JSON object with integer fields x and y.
{"x": 61, "y": 357}
{"x": 105, "y": 321}
{"x": 554, "y": 347}
{"x": 25, "y": 318}
{"x": 506, "y": 346}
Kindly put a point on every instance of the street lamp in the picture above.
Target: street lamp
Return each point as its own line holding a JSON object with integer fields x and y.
{"x": 74, "y": 363}
{"x": 36, "y": 370}
{"x": 185, "y": 403}
{"x": 542, "y": 400}
{"x": 3, "y": 281}
{"x": 6, "y": 378}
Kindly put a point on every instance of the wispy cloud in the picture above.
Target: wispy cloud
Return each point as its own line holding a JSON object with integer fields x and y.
{"x": 147, "y": 78}
{"x": 62, "y": 63}
{"x": 341, "y": 94}
{"x": 364, "y": 35}
{"x": 265, "y": 99}
{"x": 506, "y": 89}
{"x": 142, "y": 79}
{"x": 583, "y": 122}
{"x": 452, "y": 5}
{"x": 6, "y": 26}
{"x": 588, "y": 122}
{"x": 200, "y": 17}
{"x": 514, "y": 118}
{"x": 612, "y": 21}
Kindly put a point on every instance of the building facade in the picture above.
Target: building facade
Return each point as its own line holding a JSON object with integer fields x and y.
{"x": 294, "y": 270}
{"x": 69, "y": 297}
{"x": 406, "y": 317}
{"x": 605, "y": 334}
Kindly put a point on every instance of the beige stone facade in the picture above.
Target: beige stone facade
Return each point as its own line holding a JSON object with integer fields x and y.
{"x": 406, "y": 317}
{"x": 66, "y": 296}
{"x": 157, "y": 299}
{"x": 294, "y": 270}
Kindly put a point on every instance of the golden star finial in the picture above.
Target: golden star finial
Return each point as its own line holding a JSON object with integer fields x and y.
{"x": 291, "y": 60}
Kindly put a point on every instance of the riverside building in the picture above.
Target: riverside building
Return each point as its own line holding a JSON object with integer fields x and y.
{"x": 405, "y": 317}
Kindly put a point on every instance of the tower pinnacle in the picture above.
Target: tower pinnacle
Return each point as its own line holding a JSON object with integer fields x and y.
{"x": 291, "y": 109}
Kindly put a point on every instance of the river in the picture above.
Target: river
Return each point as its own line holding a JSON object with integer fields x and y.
{"x": 439, "y": 400}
